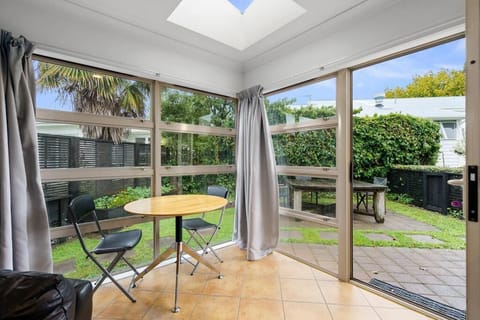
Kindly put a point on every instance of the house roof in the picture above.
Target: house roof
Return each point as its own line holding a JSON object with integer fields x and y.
{"x": 434, "y": 108}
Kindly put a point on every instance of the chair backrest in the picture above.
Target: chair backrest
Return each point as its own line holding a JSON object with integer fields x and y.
{"x": 79, "y": 208}
{"x": 218, "y": 191}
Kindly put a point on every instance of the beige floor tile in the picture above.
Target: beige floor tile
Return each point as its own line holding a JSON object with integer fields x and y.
{"x": 378, "y": 301}
{"x": 260, "y": 309}
{"x": 303, "y": 290}
{"x": 353, "y": 313}
{"x": 187, "y": 283}
{"x": 103, "y": 297}
{"x": 399, "y": 314}
{"x": 230, "y": 285}
{"x": 295, "y": 270}
{"x": 263, "y": 267}
{"x": 343, "y": 294}
{"x": 276, "y": 287}
{"x": 162, "y": 307}
{"x": 124, "y": 309}
{"x": 322, "y": 276}
{"x": 306, "y": 311}
{"x": 216, "y": 308}
{"x": 267, "y": 287}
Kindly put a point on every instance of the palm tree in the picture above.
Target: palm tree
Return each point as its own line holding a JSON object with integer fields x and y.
{"x": 97, "y": 94}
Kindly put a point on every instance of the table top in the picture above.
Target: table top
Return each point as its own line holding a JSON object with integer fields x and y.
{"x": 329, "y": 185}
{"x": 175, "y": 205}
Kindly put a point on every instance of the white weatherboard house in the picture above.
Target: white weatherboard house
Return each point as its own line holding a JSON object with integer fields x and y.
{"x": 449, "y": 112}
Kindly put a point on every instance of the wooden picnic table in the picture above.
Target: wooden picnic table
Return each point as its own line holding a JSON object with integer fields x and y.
{"x": 362, "y": 189}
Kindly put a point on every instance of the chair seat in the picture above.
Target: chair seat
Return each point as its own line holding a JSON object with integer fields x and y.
{"x": 197, "y": 224}
{"x": 119, "y": 241}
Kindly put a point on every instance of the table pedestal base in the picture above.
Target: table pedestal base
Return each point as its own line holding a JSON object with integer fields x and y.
{"x": 179, "y": 247}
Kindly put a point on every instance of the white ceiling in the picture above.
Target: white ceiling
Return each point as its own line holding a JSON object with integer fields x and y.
{"x": 136, "y": 37}
{"x": 151, "y": 16}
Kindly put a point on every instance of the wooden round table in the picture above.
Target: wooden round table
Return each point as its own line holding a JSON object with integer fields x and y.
{"x": 176, "y": 206}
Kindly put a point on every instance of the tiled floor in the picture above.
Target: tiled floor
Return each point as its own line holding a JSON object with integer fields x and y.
{"x": 275, "y": 287}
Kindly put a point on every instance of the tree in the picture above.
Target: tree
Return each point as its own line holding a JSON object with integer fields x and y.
{"x": 97, "y": 94}
{"x": 442, "y": 83}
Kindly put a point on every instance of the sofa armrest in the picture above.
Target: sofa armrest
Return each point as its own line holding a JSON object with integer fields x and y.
{"x": 84, "y": 297}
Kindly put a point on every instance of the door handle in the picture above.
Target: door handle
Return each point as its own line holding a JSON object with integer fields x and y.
{"x": 472, "y": 190}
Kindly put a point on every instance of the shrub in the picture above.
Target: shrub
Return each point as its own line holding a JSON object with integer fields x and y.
{"x": 124, "y": 197}
{"x": 383, "y": 141}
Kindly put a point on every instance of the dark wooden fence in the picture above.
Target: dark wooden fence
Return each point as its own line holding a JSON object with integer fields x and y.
{"x": 57, "y": 151}
{"x": 428, "y": 189}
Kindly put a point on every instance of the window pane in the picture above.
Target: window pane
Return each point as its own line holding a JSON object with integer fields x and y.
{"x": 450, "y": 129}
{"x": 194, "y": 108}
{"x": 309, "y": 238}
{"x": 68, "y": 88}
{"x": 109, "y": 195}
{"x": 313, "y": 101}
{"x": 192, "y": 149}
{"x": 198, "y": 184}
{"x": 65, "y": 146}
{"x": 311, "y": 148}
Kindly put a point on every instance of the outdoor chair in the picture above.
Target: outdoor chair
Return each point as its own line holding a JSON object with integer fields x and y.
{"x": 117, "y": 243}
{"x": 363, "y": 197}
{"x": 196, "y": 226}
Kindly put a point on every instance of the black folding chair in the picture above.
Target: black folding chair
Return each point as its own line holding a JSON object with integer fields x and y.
{"x": 196, "y": 226}
{"x": 117, "y": 242}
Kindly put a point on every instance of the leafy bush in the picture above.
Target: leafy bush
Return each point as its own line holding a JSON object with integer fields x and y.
{"x": 379, "y": 141}
{"x": 402, "y": 198}
{"x": 383, "y": 141}
{"x": 124, "y": 197}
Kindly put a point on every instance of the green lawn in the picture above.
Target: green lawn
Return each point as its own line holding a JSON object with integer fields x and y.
{"x": 450, "y": 231}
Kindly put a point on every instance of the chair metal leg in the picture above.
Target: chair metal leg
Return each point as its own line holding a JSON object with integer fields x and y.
{"x": 206, "y": 247}
{"x": 106, "y": 273}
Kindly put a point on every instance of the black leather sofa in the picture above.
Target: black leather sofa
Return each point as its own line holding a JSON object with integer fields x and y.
{"x": 37, "y": 295}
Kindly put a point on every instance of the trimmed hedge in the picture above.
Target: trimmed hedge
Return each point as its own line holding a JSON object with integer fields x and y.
{"x": 380, "y": 142}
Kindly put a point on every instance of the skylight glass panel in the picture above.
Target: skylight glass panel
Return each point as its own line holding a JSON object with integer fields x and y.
{"x": 241, "y": 5}
{"x": 223, "y": 22}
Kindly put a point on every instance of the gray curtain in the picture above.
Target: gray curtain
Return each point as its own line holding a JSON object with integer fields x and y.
{"x": 256, "y": 203}
{"x": 24, "y": 232}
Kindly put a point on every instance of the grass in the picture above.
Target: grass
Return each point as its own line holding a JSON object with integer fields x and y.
{"x": 449, "y": 230}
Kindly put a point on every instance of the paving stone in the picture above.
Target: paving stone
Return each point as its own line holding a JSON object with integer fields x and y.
{"x": 424, "y": 238}
{"x": 456, "y": 302}
{"x": 328, "y": 235}
{"x": 404, "y": 278}
{"x": 290, "y": 234}
{"x": 417, "y": 288}
{"x": 443, "y": 290}
{"x": 452, "y": 280}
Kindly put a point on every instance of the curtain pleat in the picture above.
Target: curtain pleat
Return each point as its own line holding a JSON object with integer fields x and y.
{"x": 256, "y": 226}
{"x": 24, "y": 230}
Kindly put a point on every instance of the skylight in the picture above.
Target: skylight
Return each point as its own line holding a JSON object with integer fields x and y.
{"x": 219, "y": 20}
{"x": 241, "y": 5}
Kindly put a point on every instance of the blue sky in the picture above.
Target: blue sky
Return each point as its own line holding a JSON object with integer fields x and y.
{"x": 371, "y": 81}
{"x": 241, "y": 5}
